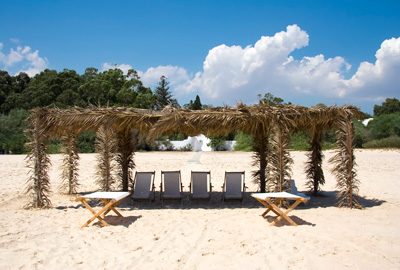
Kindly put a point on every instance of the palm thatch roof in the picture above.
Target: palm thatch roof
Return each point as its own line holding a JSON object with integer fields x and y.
{"x": 57, "y": 122}
{"x": 249, "y": 119}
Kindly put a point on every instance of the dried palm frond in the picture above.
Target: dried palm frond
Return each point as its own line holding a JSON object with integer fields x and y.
{"x": 70, "y": 173}
{"x": 260, "y": 160}
{"x": 280, "y": 161}
{"x": 92, "y": 118}
{"x": 344, "y": 162}
{"x": 313, "y": 170}
{"x": 105, "y": 147}
{"x": 126, "y": 146}
{"x": 38, "y": 184}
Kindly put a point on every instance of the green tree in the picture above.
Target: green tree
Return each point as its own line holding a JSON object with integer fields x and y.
{"x": 12, "y": 126}
{"x": 11, "y": 89}
{"x": 391, "y": 105}
{"x": 270, "y": 99}
{"x": 244, "y": 142}
{"x": 5, "y": 86}
{"x": 70, "y": 82}
{"x": 164, "y": 96}
{"x": 384, "y": 126}
{"x": 194, "y": 105}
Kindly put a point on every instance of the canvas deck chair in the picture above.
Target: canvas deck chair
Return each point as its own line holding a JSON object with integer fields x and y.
{"x": 200, "y": 185}
{"x": 171, "y": 187}
{"x": 293, "y": 189}
{"x": 234, "y": 186}
{"x": 143, "y": 186}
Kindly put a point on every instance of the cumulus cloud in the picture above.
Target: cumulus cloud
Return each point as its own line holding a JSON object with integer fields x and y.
{"x": 381, "y": 79}
{"x": 233, "y": 73}
{"x": 24, "y": 59}
{"x": 124, "y": 67}
{"x": 176, "y": 76}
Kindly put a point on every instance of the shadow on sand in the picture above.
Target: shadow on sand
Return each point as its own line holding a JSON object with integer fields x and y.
{"x": 283, "y": 222}
{"x": 329, "y": 199}
{"x": 326, "y": 199}
{"x": 114, "y": 220}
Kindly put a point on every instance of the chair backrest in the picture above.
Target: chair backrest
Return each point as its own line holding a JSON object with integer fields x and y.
{"x": 200, "y": 183}
{"x": 292, "y": 186}
{"x": 143, "y": 184}
{"x": 234, "y": 184}
{"x": 171, "y": 183}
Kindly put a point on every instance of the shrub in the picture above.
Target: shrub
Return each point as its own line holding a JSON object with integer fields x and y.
{"x": 86, "y": 141}
{"x": 391, "y": 142}
{"x": 244, "y": 142}
{"x": 186, "y": 148}
{"x": 300, "y": 141}
{"x": 217, "y": 143}
{"x": 12, "y": 126}
{"x": 385, "y": 125}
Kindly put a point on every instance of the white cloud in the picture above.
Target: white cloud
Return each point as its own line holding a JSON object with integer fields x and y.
{"x": 233, "y": 73}
{"x": 380, "y": 79}
{"x": 124, "y": 67}
{"x": 24, "y": 60}
{"x": 176, "y": 76}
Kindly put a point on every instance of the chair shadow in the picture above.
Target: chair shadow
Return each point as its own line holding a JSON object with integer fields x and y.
{"x": 284, "y": 222}
{"x": 114, "y": 220}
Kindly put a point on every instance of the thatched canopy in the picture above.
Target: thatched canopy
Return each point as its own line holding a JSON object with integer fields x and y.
{"x": 262, "y": 121}
{"x": 249, "y": 119}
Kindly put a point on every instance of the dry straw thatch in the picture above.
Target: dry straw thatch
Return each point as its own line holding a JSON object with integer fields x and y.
{"x": 271, "y": 127}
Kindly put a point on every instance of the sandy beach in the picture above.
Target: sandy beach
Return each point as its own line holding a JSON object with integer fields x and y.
{"x": 203, "y": 235}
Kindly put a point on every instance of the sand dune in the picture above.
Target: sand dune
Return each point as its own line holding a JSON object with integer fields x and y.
{"x": 203, "y": 235}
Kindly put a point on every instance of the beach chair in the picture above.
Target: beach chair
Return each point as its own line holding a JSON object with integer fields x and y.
{"x": 200, "y": 185}
{"x": 293, "y": 189}
{"x": 171, "y": 187}
{"x": 234, "y": 186}
{"x": 143, "y": 186}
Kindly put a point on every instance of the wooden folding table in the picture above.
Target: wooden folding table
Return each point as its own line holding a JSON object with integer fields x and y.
{"x": 265, "y": 199}
{"x": 110, "y": 200}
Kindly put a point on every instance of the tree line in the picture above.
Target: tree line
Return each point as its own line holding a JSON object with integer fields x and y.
{"x": 65, "y": 89}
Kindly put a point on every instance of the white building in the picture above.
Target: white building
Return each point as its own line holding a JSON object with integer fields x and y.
{"x": 198, "y": 143}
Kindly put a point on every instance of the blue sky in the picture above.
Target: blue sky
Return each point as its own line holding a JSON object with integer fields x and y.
{"x": 306, "y": 52}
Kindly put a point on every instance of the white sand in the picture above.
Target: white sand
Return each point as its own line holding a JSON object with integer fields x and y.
{"x": 202, "y": 235}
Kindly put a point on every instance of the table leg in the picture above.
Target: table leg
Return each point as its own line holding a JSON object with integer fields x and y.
{"x": 96, "y": 215}
{"x": 268, "y": 206}
{"x": 284, "y": 214}
{"x": 112, "y": 207}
